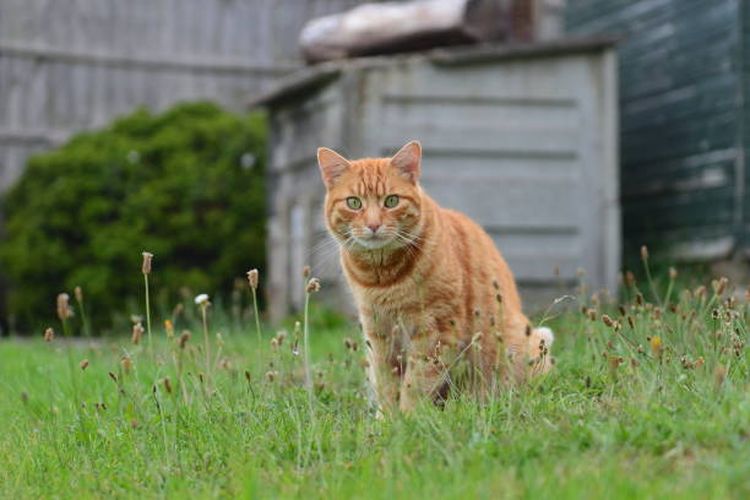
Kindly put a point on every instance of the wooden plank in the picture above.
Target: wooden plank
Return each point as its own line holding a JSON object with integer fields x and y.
{"x": 681, "y": 174}
{"x": 527, "y": 81}
{"x": 678, "y": 68}
{"x": 505, "y": 202}
{"x": 468, "y": 165}
{"x": 157, "y": 62}
{"x": 423, "y": 111}
{"x": 502, "y": 142}
{"x": 680, "y": 139}
{"x": 709, "y": 206}
{"x": 692, "y": 102}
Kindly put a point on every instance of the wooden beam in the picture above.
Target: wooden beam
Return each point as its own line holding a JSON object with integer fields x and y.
{"x": 155, "y": 62}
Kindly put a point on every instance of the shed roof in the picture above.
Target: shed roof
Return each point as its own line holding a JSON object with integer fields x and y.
{"x": 314, "y": 76}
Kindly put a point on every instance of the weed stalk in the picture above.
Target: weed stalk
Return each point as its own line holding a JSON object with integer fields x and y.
{"x": 146, "y": 269}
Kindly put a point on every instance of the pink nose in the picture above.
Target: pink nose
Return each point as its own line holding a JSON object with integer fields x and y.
{"x": 374, "y": 227}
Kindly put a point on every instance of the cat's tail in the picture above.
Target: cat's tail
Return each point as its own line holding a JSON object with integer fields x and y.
{"x": 540, "y": 344}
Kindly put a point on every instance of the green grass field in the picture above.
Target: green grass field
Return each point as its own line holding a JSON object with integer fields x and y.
{"x": 653, "y": 403}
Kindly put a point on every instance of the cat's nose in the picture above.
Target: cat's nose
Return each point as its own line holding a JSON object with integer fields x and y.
{"x": 373, "y": 228}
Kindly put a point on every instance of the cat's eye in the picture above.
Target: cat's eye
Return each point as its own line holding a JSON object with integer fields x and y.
{"x": 354, "y": 203}
{"x": 391, "y": 201}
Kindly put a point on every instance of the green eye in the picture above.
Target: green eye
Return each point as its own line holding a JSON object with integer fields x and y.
{"x": 391, "y": 201}
{"x": 354, "y": 203}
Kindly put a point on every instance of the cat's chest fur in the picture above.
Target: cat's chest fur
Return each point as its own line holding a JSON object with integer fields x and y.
{"x": 393, "y": 299}
{"x": 404, "y": 305}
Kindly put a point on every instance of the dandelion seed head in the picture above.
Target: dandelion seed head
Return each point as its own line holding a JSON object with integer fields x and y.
{"x": 126, "y": 363}
{"x": 64, "y": 310}
{"x": 146, "y": 266}
{"x": 253, "y": 278}
{"x": 137, "y": 334}
{"x": 313, "y": 285}
{"x": 184, "y": 338}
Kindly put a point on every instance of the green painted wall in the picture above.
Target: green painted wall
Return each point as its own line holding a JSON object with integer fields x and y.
{"x": 683, "y": 131}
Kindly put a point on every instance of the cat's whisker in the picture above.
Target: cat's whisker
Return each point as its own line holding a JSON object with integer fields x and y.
{"x": 324, "y": 251}
{"x": 325, "y": 256}
{"x": 325, "y": 243}
{"x": 326, "y": 246}
{"x": 409, "y": 239}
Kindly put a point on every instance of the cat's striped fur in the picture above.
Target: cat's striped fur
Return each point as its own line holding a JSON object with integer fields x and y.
{"x": 437, "y": 302}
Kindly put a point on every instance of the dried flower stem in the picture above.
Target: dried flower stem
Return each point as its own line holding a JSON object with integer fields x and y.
{"x": 252, "y": 279}
{"x": 158, "y": 400}
{"x": 305, "y": 337}
{"x": 63, "y": 311}
{"x": 146, "y": 270}
{"x": 84, "y": 318}
{"x": 670, "y": 287}
{"x": 312, "y": 286}
{"x": 206, "y": 343}
{"x": 257, "y": 317}
{"x": 647, "y": 269}
{"x": 148, "y": 313}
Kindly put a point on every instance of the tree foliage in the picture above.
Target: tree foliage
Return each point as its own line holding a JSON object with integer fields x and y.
{"x": 186, "y": 185}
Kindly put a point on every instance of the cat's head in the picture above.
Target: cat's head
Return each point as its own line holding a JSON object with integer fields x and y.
{"x": 373, "y": 203}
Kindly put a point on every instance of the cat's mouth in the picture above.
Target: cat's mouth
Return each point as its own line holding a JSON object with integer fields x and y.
{"x": 373, "y": 242}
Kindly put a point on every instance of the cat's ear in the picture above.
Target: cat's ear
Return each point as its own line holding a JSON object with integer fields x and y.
{"x": 408, "y": 161}
{"x": 332, "y": 166}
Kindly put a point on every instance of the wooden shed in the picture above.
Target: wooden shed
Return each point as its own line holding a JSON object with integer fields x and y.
{"x": 684, "y": 110}
{"x": 523, "y": 139}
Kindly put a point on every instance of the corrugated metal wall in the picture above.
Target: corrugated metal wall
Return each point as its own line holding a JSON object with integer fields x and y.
{"x": 524, "y": 144}
{"x": 683, "y": 178}
{"x": 67, "y": 65}
{"x": 744, "y": 64}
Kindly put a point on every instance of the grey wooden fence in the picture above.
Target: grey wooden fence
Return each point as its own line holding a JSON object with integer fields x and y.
{"x": 67, "y": 65}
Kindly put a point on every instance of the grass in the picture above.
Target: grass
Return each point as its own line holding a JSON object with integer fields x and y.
{"x": 645, "y": 402}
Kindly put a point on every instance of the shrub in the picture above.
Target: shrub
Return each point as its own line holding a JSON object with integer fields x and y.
{"x": 186, "y": 185}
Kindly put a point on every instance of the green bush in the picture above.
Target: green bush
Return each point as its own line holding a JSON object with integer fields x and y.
{"x": 186, "y": 185}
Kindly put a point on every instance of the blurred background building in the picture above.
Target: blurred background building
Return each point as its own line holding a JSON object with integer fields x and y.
{"x": 70, "y": 65}
{"x": 522, "y": 132}
{"x": 522, "y": 140}
{"x": 683, "y": 94}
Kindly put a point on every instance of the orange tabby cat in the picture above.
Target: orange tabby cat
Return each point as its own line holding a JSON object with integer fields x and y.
{"x": 437, "y": 303}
